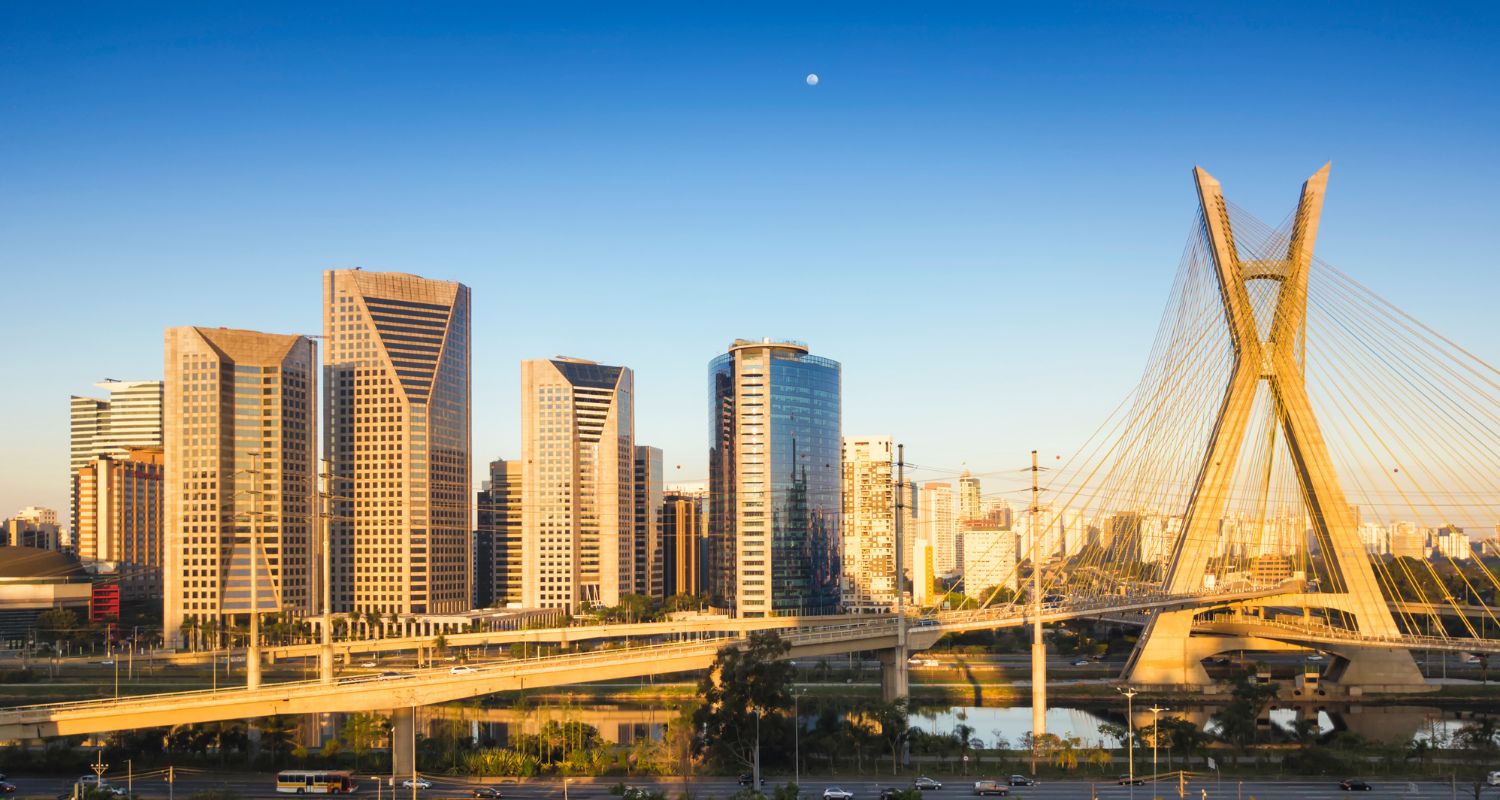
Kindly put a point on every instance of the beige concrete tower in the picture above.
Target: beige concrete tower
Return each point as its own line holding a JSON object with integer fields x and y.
{"x": 578, "y": 483}
{"x": 396, "y": 430}
{"x": 869, "y": 524}
{"x": 240, "y": 468}
{"x": 1167, "y": 652}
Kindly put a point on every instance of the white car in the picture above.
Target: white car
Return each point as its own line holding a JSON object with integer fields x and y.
{"x": 368, "y": 664}
{"x": 420, "y": 783}
{"x": 462, "y": 670}
{"x": 835, "y": 793}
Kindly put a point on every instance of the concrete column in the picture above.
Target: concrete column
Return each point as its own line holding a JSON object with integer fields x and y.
{"x": 403, "y": 742}
{"x": 893, "y": 674}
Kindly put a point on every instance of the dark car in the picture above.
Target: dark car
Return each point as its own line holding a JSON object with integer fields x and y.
{"x": 1022, "y": 780}
{"x": 1354, "y": 785}
{"x": 7, "y": 788}
{"x": 487, "y": 792}
{"x": 1126, "y": 780}
{"x": 747, "y": 778}
{"x": 891, "y": 793}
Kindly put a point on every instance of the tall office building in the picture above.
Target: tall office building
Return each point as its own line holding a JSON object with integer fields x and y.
{"x": 923, "y": 581}
{"x": 648, "y": 528}
{"x": 130, "y": 417}
{"x": 682, "y": 539}
{"x": 578, "y": 483}
{"x": 240, "y": 474}
{"x": 970, "y": 507}
{"x": 121, "y": 513}
{"x": 775, "y": 465}
{"x": 940, "y": 527}
{"x": 396, "y": 433}
{"x": 869, "y": 523}
{"x": 498, "y": 549}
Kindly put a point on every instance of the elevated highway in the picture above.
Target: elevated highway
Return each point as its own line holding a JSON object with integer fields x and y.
{"x": 421, "y": 687}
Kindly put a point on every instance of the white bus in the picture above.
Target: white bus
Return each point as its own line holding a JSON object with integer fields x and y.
{"x": 320, "y": 781}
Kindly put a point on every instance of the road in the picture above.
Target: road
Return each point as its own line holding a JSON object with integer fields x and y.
{"x": 445, "y": 788}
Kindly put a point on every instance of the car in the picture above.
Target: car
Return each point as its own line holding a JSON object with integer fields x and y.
{"x": 835, "y": 793}
{"x": 1022, "y": 780}
{"x": 7, "y": 788}
{"x": 108, "y": 662}
{"x": 929, "y": 662}
{"x": 368, "y": 664}
{"x": 1492, "y": 779}
{"x": 487, "y": 792}
{"x": 1082, "y": 662}
{"x": 89, "y": 781}
{"x": 991, "y": 787}
{"x": 1315, "y": 657}
{"x": 1126, "y": 780}
{"x": 117, "y": 791}
{"x": 746, "y": 779}
{"x": 924, "y": 783}
{"x": 1354, "y": 785}
{"x": 462, "y": 670}
{"x": 891, "y": 793}
{"x": 634, "y": 793}
{"x": 417, "y": 783}
{"x": 386, "y": 676}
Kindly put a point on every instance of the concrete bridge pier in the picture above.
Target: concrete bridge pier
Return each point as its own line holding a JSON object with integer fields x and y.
{"x": 894, "y": 680}
{"x": 403, "y": 742}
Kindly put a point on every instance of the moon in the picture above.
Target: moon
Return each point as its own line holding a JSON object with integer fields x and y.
{"x": 812, "y": 79}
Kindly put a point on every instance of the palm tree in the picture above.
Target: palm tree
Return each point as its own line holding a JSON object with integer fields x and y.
{"x": 277, "y": 733}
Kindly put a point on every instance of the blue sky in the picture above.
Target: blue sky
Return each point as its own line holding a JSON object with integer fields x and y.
{"x": 979, "y": 209}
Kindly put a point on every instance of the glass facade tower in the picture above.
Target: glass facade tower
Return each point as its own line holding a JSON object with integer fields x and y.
{"x": 775, "y": 466}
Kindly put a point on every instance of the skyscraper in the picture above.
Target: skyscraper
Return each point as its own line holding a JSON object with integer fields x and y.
{"x": 396, "y": 431}
{"x": 240, "y": 474}
{"x": 648, "y": 528}
{"x": 578, "y": 483}
{"x": 775, "y": 465}
{"x": 939, "y": 525}
{"x": 499, "y": 538}
{"x": 131, "y": 417}
{"x": 870, "y": 583}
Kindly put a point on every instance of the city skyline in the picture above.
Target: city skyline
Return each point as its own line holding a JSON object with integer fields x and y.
{"x": 930, "y": 175}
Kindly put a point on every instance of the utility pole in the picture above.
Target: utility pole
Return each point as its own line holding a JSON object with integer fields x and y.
{"x": 171, "y": 783}
{"x": 1038, "y": 647}
{"x": 900, "y": 562}
{"x": 325, "y": 653}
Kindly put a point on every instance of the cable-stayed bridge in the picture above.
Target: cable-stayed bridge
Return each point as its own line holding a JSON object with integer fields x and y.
{"x": 1265, "y": 487}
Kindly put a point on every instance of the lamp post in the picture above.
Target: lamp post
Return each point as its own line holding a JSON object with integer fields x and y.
{"x": 796, "y": 743}
{"x": 1129, "y": 735}
{"x": 1155, "y": 714}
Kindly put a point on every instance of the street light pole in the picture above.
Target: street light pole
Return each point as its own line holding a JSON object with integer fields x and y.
{"x": 1155, "y": 715}
{"x": 796, "y": 741}
{"x": 1129, "y": 734}
{"x": 325, "y": 653}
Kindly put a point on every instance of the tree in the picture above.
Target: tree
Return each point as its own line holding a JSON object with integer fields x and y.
{"x": 894, "y": 727}
{"x": 1238, "y": 720}
{"x": 748, "y": 689}
{"x": 276, "y": 735}
{"x": 1480, "y": 740}
{"x": 361, "y": 733}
